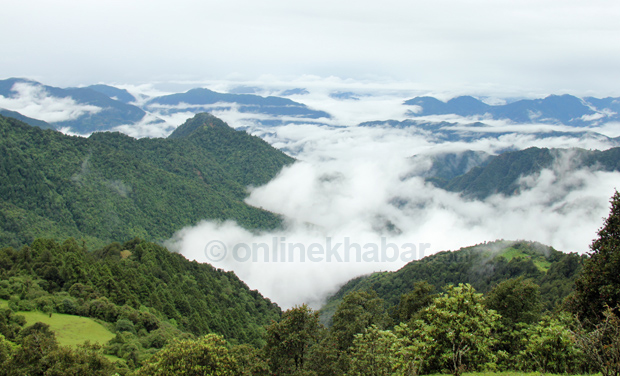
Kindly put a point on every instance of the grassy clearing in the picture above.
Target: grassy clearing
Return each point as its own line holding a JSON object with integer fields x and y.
{"x": 70, "y": 330}
{"x": 539, "y": 260}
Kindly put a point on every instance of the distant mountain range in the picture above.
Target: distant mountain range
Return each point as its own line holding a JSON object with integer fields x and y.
{"x": 100, "y": 107}
{"x": 444, "y": 131}
{"x": 94, "y": 108}
{"x": 204, "y": 99}
{"x": 554, "y": 109}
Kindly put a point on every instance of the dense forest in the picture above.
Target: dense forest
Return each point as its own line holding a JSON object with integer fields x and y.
{"x": 501, "y": 173}
{"x": 111, "y": 187}
{"x": 482, "y": 266}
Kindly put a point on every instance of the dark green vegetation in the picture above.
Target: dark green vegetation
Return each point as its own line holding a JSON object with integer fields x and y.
{"x": 172, "y": 316}
{"x": 483, "y": 266}
{"x": 501, "y": 173}
{"x": 111, "y": 187}
{"x": 144, "y": 293}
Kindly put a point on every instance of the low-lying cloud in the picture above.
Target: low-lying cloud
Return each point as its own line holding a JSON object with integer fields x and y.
{"x": 359, "y": 185}
{"x": 35, "y": 102}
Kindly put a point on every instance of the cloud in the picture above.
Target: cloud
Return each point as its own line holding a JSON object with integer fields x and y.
{"x": 359, "y": 185}
{"x": 35, "y": 102}
{"x": 149, "y": 126}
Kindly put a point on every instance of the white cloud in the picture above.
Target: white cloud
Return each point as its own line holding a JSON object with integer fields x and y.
{"x": 35, "y": 102}
{"x": 358, "y": 183}
{"x": 149, "y": 126}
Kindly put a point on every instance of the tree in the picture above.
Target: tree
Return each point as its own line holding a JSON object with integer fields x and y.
{"x": 289, "y": 340}
{"x": 413, "y": 302}
{"x": 518, "y": 302}
{"x": 601, "y": 345}
{"x": 549, "y": 347}
{"x": 598, "y": 284}
{"x": 357, "y": 311}
{"x": 458, "y": 330}
{"x": 208, "y": 355}
{"x": 373, "y": 353}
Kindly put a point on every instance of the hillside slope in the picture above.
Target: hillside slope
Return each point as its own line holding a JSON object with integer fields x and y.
{"x": 111, "y": 187}
{"x": 482, "y": 266}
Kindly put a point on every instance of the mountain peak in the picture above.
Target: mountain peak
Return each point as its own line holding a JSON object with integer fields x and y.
{"x": 199, "y": 121}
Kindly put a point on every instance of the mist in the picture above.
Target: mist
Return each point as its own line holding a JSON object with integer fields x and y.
{"x": 360, "y": 185}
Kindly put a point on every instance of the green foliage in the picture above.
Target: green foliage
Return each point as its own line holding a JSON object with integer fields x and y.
{"x": 517, "y": 300}
{"x": 598, "y": 285}
{"x": 457, "y": 331}
{"x": 502, "y": 173}
{"x": 138, "y": 294}
{"x": 550, "y": 347}
{"x": 358, "y": 311}
{"x": 208, "y": 355}
{"x": 601, "y": 345}
{"x": 111, "y": 187}
{"x": 483, "y": 266}
{"x": 413, "y": 302}
{"x": 289, "y": 340}
{"x": 372, "y": 353}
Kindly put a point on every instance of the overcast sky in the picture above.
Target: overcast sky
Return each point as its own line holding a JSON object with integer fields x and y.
{"x": 543, "y": 46}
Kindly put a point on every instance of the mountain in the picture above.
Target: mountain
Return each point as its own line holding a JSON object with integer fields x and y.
{"x": 483, "y": 266}
{"x": 113, "y": 92}
{"x": 30, "y": 121}
{"x": 501, "y": 173}
{"x": 554, "y": 109}
{"x": 444, "y": 131}
{"x": 446, "y": 166}
{"x": 79, "y": 110}
{"x": 136, "y": 287}
{"x": 111, "y": 187}
{"x": 202, "y": 99}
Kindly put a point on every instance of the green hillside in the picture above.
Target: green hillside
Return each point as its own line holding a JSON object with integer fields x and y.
{"x": 111, "y": 187}
{"x": 501, "y": 173}
{"x": 137, "y": 281}
{"x": 483, "y": 266}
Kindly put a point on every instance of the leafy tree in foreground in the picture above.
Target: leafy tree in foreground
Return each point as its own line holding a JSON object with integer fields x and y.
{"x": 549, "y": 347}
{"x": 207, "y": 356}
{"x": 373, "y": 353}
{"x": 518, "y": 302}
{"x": 598, "y": 285}
{"x": 601, "y": 346}
{"x": 458, "y": 331}
{"x": 289, "y": 340}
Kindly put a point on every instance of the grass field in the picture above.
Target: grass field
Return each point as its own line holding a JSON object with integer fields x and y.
{"x": 539, "y": 260}
{"x": 70, "y": 330}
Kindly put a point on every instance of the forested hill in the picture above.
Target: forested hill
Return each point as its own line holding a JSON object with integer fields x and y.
{"x": 483, "y": 266}
{"x": 501, "y": 174}
{"x": 111, "y": 187}
{"x": 140, "y": 286}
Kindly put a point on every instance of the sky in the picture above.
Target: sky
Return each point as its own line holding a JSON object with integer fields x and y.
{"x": 546, "y": 46}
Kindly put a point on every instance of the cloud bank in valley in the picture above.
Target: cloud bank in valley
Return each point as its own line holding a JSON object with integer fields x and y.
{"x": 35, "y": 102}
{"x": 360, "y": 184}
